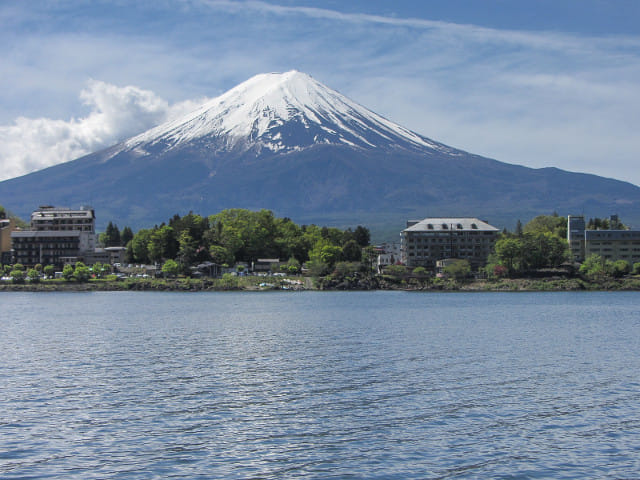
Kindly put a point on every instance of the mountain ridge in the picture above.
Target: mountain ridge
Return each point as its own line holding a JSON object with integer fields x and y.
{"x": 286, "y": 142}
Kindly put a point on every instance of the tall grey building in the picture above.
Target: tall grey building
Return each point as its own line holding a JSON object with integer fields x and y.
{"x": 56, "y": 236}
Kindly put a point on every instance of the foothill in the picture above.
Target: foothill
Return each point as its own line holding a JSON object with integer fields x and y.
{"x": 59, "y": 249}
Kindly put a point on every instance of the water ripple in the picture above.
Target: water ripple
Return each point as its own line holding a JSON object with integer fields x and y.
{"x": 384, "y": 385}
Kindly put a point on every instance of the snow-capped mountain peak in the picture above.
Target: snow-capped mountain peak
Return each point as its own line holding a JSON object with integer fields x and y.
{"x": 281, "y": 112}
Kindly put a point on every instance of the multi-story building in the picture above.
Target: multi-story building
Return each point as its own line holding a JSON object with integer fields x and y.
{"x": 6, "y": 226}
{"x": 425, "y": 242}
{"x": 609, "y": 244}
{"x": 52, "y": 219}
{"x": 575, "y": 237}
{"x": 57, "y": 236}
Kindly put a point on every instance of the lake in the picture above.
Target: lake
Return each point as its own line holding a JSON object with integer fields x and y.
{"x": 360, "y": 385}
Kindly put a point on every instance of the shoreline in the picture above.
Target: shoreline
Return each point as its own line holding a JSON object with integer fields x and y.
{"x": 306, "y": 284}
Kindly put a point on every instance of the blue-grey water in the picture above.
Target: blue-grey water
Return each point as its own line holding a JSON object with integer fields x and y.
{"x": 377, "y": 385}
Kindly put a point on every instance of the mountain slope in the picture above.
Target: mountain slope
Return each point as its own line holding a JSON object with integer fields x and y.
{"x": 288, "y": 143}
{"x": 281, "y": 113}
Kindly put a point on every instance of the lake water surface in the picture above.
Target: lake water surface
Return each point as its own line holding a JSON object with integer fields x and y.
{"x": 362, "y": 385}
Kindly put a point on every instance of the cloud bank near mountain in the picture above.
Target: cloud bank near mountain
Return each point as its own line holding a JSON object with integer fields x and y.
{"x": 115, "y": 113}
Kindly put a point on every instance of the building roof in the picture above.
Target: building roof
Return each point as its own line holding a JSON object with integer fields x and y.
{"x": 448, "y": 224}
{"x": 62, "y": 212}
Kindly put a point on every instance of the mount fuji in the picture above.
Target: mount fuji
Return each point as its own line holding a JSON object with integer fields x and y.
{"x": 286, "y": 142}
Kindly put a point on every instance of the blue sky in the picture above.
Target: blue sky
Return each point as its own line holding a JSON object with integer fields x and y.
{"x": 537, "y": 83}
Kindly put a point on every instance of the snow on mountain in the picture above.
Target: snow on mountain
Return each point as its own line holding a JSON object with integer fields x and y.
{"x": 281, "y": 112}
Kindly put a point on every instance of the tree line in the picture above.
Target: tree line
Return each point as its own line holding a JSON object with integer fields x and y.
{"x": 240, "y": 235}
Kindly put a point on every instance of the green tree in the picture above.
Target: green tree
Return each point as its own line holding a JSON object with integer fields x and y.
{"x": 352, "y": 251}
{"x": 543, "y": 250}
{"x": 621, "y": 268}
{"x": 140, "y": 246}
{"x": 636, "y": 268}
{"x": 290, "y": 240}
{"x": 330, "y": 254}
{"x": 596, "y": 266}
{"x": 221, "y": 255}
{"x": 67, "y": 272}
{"x": 346, "y": 269}
{"x": 292, "y": 267}
{"x": 33, "y": 275}
{"x": 111, "y": 236}
{"x": 419, "y": 271}
{"x": 163, "y": 244}
{"x": 547, "y": 224}
{"x": 49, "y": 271}
{"x": 605, "y": 224}
{"x": 519, "y": 231}
{"x": 194, "y": 225}
{"x": 509, "y": 252}
{"x": 17, "y": 276}
{"x": 81, "y": 272}
{"x": 317, "y": 267}
{"x": 396, "y": 270}
{"x": 126, "y": 236}
{"x": 362, "y": 236}
{"x": 99, "y": 269}
{"x": 369, "y": 258}
{"x": 458, "y": 269}
{"x": 187, "y": 250}
{"x": 19, "y": 267}
{"x": 171, "y": 268}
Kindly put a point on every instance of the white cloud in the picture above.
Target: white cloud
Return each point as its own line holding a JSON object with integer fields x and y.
{"x": 116, "y": 113}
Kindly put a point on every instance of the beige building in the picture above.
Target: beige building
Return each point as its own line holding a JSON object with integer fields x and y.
{"x": 6, "y": 227}
{"x": 425, "y": 242}
{"x": 610, "y": 244}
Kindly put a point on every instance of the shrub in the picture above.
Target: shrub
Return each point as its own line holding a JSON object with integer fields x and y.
{"x": 171, "y": 268}
{"x": 621, "y": 268}
{"x": 81, "y": 272}
{"x": 419, "y": 271}
{"x": 396, "y": 270}
{"x": 228, "y": 281}
{"x": 500, "y": 271}
{"x": 17, "y": 276}
{"x": 458, "y": 269}
{"x": 595, "y": 266}
{"x": 345, "y": 269}
{"x": 67, "y": 272}
{"x": 33, "y": 275}
{"x": 49, "y": 271}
